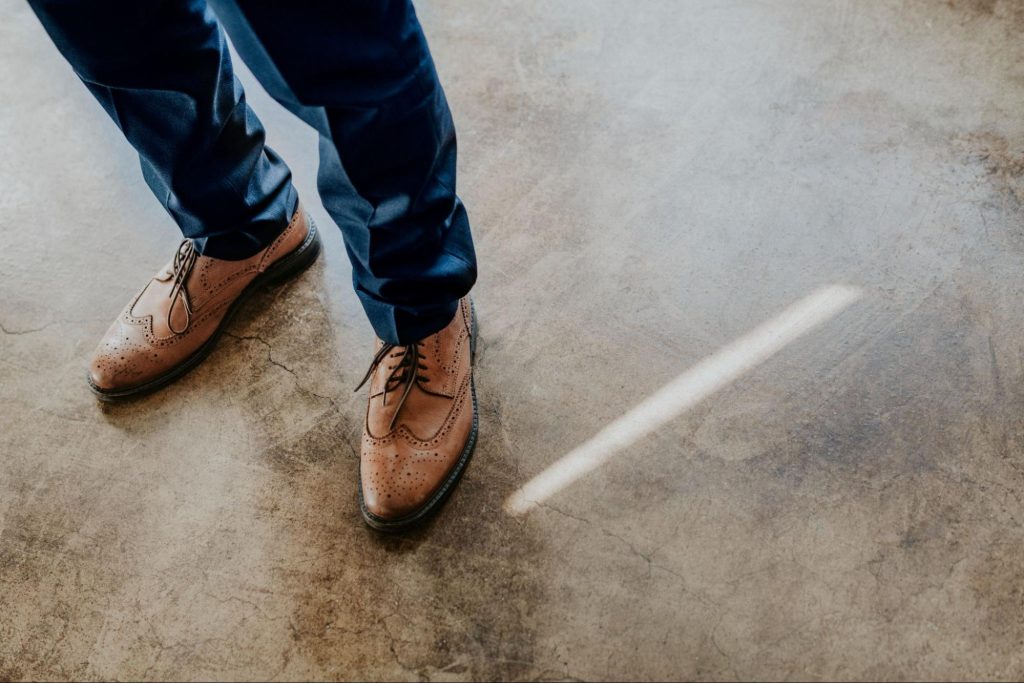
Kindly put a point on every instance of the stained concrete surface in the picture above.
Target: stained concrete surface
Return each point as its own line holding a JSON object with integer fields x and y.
{"x": 647, "y": 181}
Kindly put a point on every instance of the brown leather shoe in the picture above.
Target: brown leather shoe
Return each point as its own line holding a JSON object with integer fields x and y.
{"x": 421, "y": 424}
{"x": 175, "y": 321}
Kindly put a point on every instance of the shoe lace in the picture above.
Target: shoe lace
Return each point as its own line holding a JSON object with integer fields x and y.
{"x": 406, "y": 372}
{"x": 184, "y": 260}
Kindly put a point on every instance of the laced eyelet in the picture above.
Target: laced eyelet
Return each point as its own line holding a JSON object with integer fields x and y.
{"x": 404, "y": 373}
{"x": 184, "y": 261}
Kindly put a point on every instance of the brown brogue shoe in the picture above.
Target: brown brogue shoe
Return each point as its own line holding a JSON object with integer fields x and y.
{"x": 421, "y": 424}
{"x": 175, "y": 321}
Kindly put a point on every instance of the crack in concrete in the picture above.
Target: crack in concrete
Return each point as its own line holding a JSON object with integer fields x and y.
{"x": 651, "y": 564}
{"x": 394, "y": 652}
{"x": 270, "y": 358}
{"x": 4, "y": 329}
{"x": 17, "y": 333}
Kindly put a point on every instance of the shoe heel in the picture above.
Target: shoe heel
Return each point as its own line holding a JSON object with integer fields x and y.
{"x": 299, "y": 260}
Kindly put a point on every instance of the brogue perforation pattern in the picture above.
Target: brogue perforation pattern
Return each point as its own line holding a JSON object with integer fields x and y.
{"x": 133, "y": 352}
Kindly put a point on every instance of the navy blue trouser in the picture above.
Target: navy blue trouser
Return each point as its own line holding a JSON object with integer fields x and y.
{"x": 358, "y": 71}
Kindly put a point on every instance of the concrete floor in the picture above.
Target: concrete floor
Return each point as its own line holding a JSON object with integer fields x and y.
{"x": 649, "y": 182}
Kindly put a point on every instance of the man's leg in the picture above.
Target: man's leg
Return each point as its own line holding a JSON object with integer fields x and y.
{"x": 163, "y": 73}
{"x": 360, "y": 72}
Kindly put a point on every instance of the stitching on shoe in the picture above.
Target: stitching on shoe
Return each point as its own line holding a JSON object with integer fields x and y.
{"x": 446, "y": 426}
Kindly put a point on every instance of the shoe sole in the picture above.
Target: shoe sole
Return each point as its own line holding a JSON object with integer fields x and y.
{"x": 284, "y": 269}
{"x": 442, "y": 493}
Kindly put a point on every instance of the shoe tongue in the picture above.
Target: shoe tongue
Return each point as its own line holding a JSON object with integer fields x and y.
{"x": 379, "y": 379}
{"x": 166, "y": 273}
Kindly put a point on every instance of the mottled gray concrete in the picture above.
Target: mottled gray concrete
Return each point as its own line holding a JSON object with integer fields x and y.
{"x": 648, "y": 181}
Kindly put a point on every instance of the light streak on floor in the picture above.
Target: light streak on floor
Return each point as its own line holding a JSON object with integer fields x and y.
{"x": 684, "y": 392}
